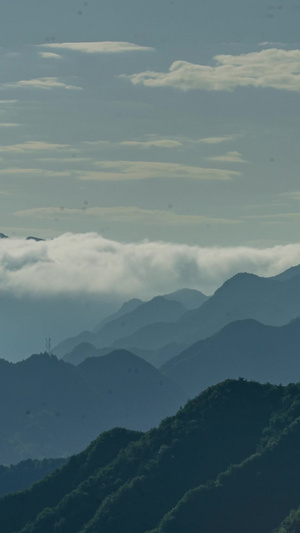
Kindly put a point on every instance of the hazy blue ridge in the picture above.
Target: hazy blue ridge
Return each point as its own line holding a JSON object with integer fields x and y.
{"x": 241, "y": 297}
{"x": 244, "y": 348}
{"x": 18, "y": 477}
{"x": 50, "y": 408}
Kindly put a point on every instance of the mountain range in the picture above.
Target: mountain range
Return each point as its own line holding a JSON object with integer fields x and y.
{"x": 134, "y": 316}
{"x": 18, "y": 477}
{"x": 271, "y": 301}
{"x": 228, "y": 461}
{"x": 160, "y": 330}
{"x": 245, "y": 348}
{"x": 50, "y": 408}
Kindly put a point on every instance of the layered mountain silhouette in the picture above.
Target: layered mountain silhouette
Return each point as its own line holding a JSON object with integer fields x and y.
{"x": 245, "y": 348}
{"x": 157, "y": 335}
{"x": 267, "y": 300}
{"x": 18, "y": 477}
{"x": 229, "y": 461}
{"x": 133, "y": 316}
{"x": 50, "y": 408}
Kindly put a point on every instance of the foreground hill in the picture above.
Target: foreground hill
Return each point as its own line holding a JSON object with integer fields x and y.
{"x": 50, "y": 408}
{"x": 245, "y": 349}
{"x": 229, "y": 461}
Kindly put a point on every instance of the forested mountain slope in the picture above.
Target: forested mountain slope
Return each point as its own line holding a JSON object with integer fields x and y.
{"x": 228, "y": 461}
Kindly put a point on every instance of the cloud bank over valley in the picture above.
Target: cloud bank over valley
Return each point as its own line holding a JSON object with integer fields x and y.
{"x": 78, "y": 265}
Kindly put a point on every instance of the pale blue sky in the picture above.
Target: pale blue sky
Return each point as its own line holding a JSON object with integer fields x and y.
{"x": 164, "y": 120}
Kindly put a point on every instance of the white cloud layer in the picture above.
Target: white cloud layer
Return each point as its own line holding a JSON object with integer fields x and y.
{"x": 100, "y": 47}
{"x": 270, "y": 68}
{"x": 90, "y": 264}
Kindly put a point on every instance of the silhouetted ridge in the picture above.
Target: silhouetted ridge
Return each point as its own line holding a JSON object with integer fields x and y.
{"x": 50, "y": 408}
{"x": 245, "y": 348}
{"x": 287, "y": 274}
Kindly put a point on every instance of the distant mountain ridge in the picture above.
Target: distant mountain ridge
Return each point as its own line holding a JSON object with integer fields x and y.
{"x": 243, "y": 296}
{"x": 246, "y": 349}
{"x": 50, "y": 408}
{"x": 2, "y": 236}
{"x": 133, "y": 316}
{"x": 18, "y": 477}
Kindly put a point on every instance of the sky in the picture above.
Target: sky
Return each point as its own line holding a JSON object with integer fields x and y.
{"x": 164, "y": 120}
{"x": 153, "y": 145}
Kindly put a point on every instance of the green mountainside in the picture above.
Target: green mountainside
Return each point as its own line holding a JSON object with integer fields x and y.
{"x": 229, "y": 461}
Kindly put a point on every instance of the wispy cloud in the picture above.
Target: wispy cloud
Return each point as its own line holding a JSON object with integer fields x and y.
{"x": 229, "y": 157}
{"x": 46, "y": 83}
{"x": 9, "y": 124}
{"x": 125, "y": 215}
{"x": 156, "y": 143}
{"x": 18, "y": 171}
{"x": 8, "y": 102}
{"x": 276, "y": 218}
{"x": 291, "y": 195}
{"x": 32, "y": 146}
{"x": 137, "y": 170}
{"x": 219, "y": 140}
{"x": 152, "y": 140}
{"x": 88, "y": 263}
{"x": 50, "y": 55}
{"x": 99, "y": 47}
{"x": 271, "y": 43}
{"x": 270, "y": 68}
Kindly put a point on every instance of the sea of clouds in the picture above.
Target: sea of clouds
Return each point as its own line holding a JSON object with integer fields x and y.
{"x": 78, "y": 264}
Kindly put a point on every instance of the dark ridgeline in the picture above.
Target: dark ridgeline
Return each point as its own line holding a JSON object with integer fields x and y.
{"x": 228, "y": 461}
{"x": 267, "y": 300}
{"x": 50, "y": 408}
{"x": 158, "y": 336}
{"x": 245, "y": 348}
{"x": 18, "y": 477}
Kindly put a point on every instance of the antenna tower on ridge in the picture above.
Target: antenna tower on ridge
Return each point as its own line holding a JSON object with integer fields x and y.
{"x": 48, "y": 346}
